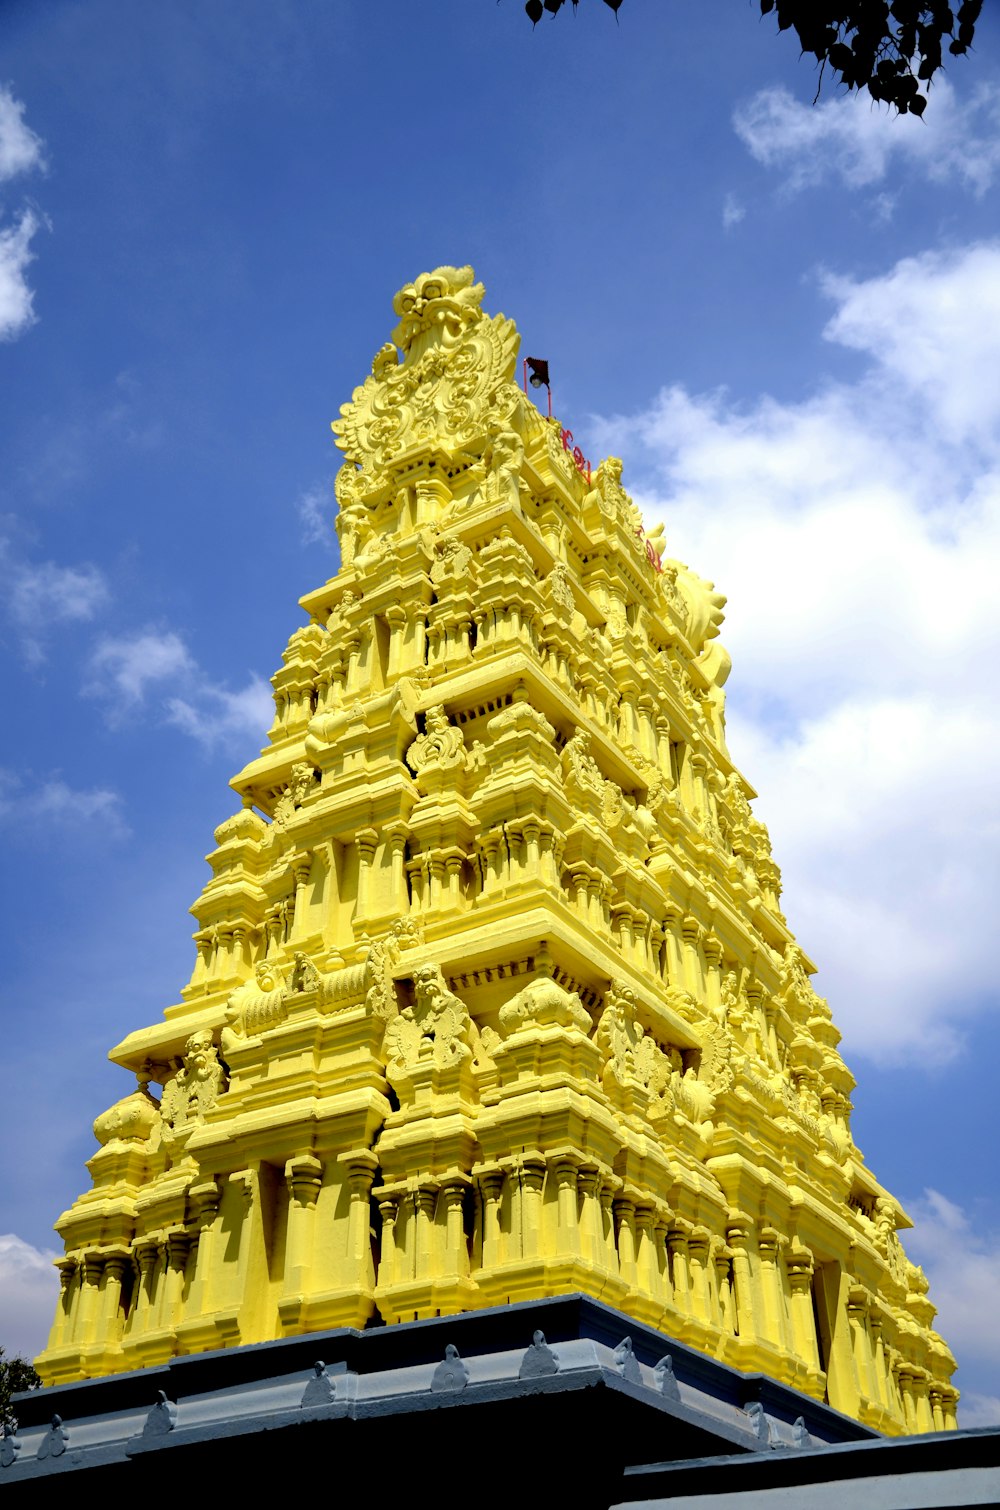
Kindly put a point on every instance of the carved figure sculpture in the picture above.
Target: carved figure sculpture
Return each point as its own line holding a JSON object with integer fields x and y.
{"x": 254, "y": 1006}
{"x": 436, "y": 1027}
{"x": 196, "y": 1086}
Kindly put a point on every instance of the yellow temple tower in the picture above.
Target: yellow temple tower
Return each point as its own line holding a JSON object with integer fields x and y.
{"x": 494, "y": 999}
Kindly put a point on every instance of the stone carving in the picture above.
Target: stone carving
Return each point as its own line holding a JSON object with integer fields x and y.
{"x": 55, "y": 1440}
{"x": 457, "y": 366}
{"x": 301, "y": 782}
{"x": 257, "y": 1004}
{"x": 539, "y": 1361}
{"x": 580, "y": 769}
{"x": 196, "y": 1086}
{"x": 503, "y": 460}
{"x": 320, "y": 1390}
{"x": 696, "y": 1090}
{"x": 666, "y": 1383}
{"x": 626, "y": 1362}
{"x": 443, "y": 303}
{"x": 453, "y": 563}
{"x": 541, "y": 1004}
{"x": 760, "y": 1423}
{"x": 704, "y": 606}
{"x": 560, "y": 592}
{"x": 611, "y": 498}
{"x": 436, "y": 1028}
{"x": 632, "y": 1057}
{"x": 130, "y": 1120}
{"x": 304, "y": 976}
{"x": 800, "y": 1433}
{"x": 162, "y": 1417}
{"x": 741, "y": 1019}
{"x": 452, "y": 1374}
{"x": 9, "y": 1447}
{"x": 439, "y": 751}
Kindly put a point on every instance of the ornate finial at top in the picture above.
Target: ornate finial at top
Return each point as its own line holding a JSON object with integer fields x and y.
{"x": 443, "y": 383}
{"x": 438, "y": 305}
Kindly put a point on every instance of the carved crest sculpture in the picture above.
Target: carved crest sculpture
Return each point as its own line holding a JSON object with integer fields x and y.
{"x": 493, "y": 996}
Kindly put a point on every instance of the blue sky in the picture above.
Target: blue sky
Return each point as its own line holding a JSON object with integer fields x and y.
{"x": 783, "y": 317}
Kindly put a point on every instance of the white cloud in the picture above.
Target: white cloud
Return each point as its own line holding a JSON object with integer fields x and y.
{"x": 214, "y": 716}
{"x": 857, "y": 535}
{"x": 124, "y": 669}
{"x": 20, "y": 152}
{"x": 963, "y": 1267}
{"x": 54, "y": 802}
{"x": 315, "y": 511}
{"x": 733, "y": 211}
{"x": 931, "y": 323}
{"x": 29, "y": 1289}
{"x": 978, "y": 1410}
{"x": 20, "y": 148}
{"x": 957, "y": 140}
{"x": 16, "y": 298}
{"x": 44, "y": 593}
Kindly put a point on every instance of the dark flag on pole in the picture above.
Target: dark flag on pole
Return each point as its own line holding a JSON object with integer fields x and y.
{"x": 538, "y": 372}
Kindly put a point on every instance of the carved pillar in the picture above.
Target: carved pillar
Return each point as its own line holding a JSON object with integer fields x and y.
{"x": 366, "y": 843}
{"x": 569, "y": 1232}
{"x": 178, "y": 1245}
{"x": 62, "y": 1328}
{"x": 906, "y": 1382}
{"x": 738, "y": 1238}
{"x": 698, "y": 767}
{"x": 591, "y": 1235}
{"x": 648, "y": 1279}
{"x": 303, "y": 1176}
{"x": 692, "y": 976}
{"x": 661, "y": 1226}
{"x": 532, "y": 1183}
{"x": 875, "y": 1324}
{"x": 799, "y": 1263}
{"x": 677, "y": 1242}
{"x": 949, "y": 1405}
{"x": 713, "y": 965}
{"x": 91, "y": 1271}
{"x": 453, "y": 864}
{"x": 723, "y": 1258}
{"x": 624, "y": 1208}
{"x": 352, "y": 652}
{"x": 147, "y": 1254}
{"x": 456, "y": 1259}
{"x": 395, "y": 616}
{"x": 300, "y": 873}
{"x": 388, "y": 1211}
{"x": 203, "y": 1203}
{"x": 674, "y": 951}
{"x": 701, "y": 1296}
{"x": 360, "y": 1165}
{"x": 921, "y": 1382}
{"x": 426, "y": 1201}
{"x": 772, "y": 1288}
{"x": 491, "y": 1185}
{"x": 609, "y": 1185}
{"x": 400, "y": 895}
{"x": 857, "y": 1312}
{"x": 109, "y": 1317}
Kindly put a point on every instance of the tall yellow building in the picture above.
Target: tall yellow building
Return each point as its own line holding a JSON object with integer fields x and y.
{"x": 494, "y": 998}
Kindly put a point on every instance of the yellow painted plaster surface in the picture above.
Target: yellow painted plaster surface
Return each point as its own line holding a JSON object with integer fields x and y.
{"x": 493, "y": 996}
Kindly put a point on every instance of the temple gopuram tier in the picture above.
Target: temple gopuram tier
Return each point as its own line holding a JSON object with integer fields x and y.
{"x": 494, "y": 999}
